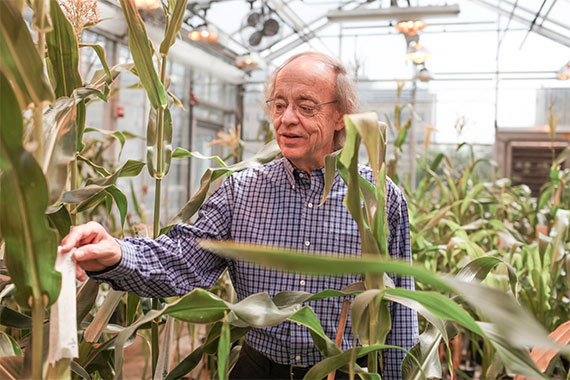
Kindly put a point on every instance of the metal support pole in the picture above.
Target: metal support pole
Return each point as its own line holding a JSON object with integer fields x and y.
{"x": 412, "y": 131}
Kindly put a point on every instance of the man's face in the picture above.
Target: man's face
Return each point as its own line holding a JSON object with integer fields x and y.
{"x": 305, "y": 140}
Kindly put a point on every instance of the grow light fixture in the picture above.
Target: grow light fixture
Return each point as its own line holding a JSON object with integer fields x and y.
{"x": 417, "y": 53}
{"x": 147, "y": 4}
{"x": 393, "y": 13}
{"x": 411, "y": 27}
{"x": 248, "y": 62}
{"x": 204, "y": 33}
{"x": 423, "y": 74}
{"x": 564, "y": 73}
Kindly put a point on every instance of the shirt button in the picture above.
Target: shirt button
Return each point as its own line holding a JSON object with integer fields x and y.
{"x": 298, "y": 324}
{"x": 310, "y": 205}
{"x": 302, "y": 282}
{"x": 297, "y": 358}
{"x": 301, "y": 175}
{"x": 307, "y": 243}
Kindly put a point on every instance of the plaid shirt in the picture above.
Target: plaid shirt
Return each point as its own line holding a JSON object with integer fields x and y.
{"x": 273, "y": 204}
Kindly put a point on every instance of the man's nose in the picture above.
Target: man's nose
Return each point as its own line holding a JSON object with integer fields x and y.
{"x": 290, "y": 115}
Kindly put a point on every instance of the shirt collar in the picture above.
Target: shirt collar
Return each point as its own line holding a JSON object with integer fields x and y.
{"x": 290, "y": 171}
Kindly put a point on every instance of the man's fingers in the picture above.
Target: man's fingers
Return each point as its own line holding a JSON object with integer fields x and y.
{"x": 77, "y": 234}
{"x": 79, "y": 273}
{"x": 91, "y": 252}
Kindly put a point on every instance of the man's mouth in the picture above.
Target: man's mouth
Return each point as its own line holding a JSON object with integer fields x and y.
{"x": 290, "y": 136}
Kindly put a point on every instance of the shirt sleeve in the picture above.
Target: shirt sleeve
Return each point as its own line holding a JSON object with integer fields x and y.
{"x": 404, "y": 331}
{"x": 174, "y": 264}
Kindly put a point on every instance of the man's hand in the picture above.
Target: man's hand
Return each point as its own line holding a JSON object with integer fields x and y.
{"x": 96, "y": 249}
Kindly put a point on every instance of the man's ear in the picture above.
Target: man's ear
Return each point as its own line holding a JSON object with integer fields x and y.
{"x": 339, "y": 123}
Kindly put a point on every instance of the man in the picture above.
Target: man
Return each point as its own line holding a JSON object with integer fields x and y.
{"x": 274, "y": 204}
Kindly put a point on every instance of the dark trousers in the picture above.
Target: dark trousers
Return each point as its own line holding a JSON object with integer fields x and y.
{"x": 253, "y": 365}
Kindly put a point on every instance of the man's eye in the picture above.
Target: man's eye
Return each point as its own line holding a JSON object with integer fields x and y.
{"x": 280, "y": 106}
{"x": 306, "y": 108}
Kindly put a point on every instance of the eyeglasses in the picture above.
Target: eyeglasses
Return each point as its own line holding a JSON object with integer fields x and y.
{"x": 304, "y": 108}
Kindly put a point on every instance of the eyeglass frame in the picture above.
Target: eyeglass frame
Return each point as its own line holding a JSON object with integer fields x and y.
{"x": 318, "y": 105}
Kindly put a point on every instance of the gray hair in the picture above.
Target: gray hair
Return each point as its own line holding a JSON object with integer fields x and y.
{"x": 345, "y": 90}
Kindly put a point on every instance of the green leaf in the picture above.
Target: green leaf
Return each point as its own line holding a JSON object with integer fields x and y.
{"x": 86, "y": 297}
{"x": 333, "y": 363}
{"x": 79, "y": 370}
{"x": 320, "y": 263}
{"x": 63, "y": 52}
{"x": 93, "y": 332}
{"x": 14, "y": 319}
{"x": 330, "y": 174}
{"x": 183, "y": 153}
{"x": 307, "y": 317}
{"x": 269, "y": 152}
{"x": 174, "y": 25}
{"x": 480, "y": 267}
{"x": 93, "y": 191}
{"x": 440, "y": 306}
{"x": 515, "y": 358}
{"x": 224, "y": 352}
{"x": 516, "y": 326}
{"x": 259, "y": 310}
{"x": 59, "y": 219}
{"x": 198, "y": 306}
{"x": 120, "y": 200}
{"x": 470, "y": 196}
{"x": 19, "y": 59}
{"x": 98, "y": 49}
{"x": 59, "y": 145}
{"x": 426, "y": 351}
{"x": 30, "y": 242}
{"x": 81, "y": 114}
{"x": 192, "y": 360}
{"x": 142, "y": 52}
{"x": 159, "y": 143}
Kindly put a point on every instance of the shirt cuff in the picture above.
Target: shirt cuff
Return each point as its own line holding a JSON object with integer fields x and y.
{"x": 121, "y": 270}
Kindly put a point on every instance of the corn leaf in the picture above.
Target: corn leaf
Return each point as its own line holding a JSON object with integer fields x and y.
{"x": 98, "y": 49}
{"x": 174, "y": 25}
{"x": 516, "y": 359}
{"x": 480, "y": 267}
{"x": 224, "y": 352}
{"x": 259, "y": 310}
{"x": 120, "y": 200}
{"x": 330, "y": 173}
{"x": 269, "y": 152}
{"x": 426, "y": 351}
{"x": 14, "y": 319}
{"x": 142, "y": 52}
{"x": 95, "y": 328}
{"x": 59, "y": 145}
{"x": 341, "y": 361}
{"x": 63, "y": 53}
{"x": 86, "y": 297}
{"x": 440, "y": 306}
{"x": 166, "y": 344}
{"x": 208, "y": 347}
{"x": 19, "y": 59}
{"x": 307, "y": 317}
{"x": 159, "y": 145}
{"x": 516, "y": 326}
{"x": 30, "y": 242}
{"x": 59, "y": 219}
{"x": 321, "y": 263}
{"x": 182, "y": 153}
